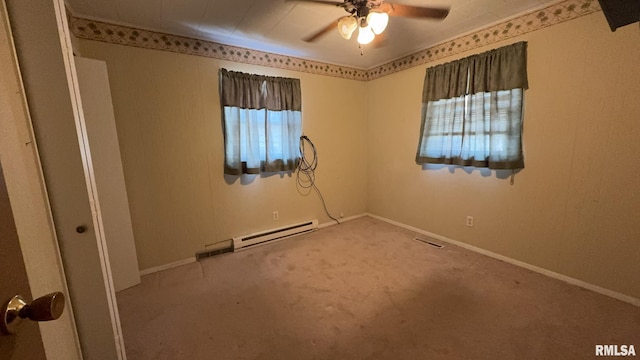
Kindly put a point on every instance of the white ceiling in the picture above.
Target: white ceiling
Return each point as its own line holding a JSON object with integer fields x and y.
{"x": 278, "y": 26}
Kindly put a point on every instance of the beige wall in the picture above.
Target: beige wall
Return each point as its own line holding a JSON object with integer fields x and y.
{"x": 574, "y": 208}
{"x": 170, "y": 132}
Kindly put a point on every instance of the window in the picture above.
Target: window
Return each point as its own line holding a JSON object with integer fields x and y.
{"x": 472, "y": 110}
{"x": 262, "y": 122}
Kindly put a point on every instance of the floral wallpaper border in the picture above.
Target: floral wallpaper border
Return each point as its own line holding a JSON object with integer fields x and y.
{"x": 536, "y": 20}
{"x": 123, "y": 35}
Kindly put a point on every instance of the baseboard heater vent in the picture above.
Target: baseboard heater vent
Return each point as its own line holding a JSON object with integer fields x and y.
{"x": 428, "y": 242}
{"x": 244, "y": 242}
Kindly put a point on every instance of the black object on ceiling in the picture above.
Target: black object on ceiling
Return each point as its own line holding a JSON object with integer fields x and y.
{"x": 620, "y": 12}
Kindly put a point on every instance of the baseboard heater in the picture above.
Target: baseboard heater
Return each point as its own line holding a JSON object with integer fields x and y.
{"x": 268, "y": 236}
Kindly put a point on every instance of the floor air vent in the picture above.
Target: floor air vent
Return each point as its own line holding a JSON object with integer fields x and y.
{"x": 244, "y": 242}
{"x": 208, "y": 253}
{"x": 429, "y": 242}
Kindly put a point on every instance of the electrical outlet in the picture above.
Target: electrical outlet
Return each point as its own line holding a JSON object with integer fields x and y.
{"x": 469, "y": 221}
{"x": 276, "y": 216}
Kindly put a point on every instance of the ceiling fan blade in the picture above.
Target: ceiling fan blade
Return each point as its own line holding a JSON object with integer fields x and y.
{"x": 333, "y": 3}
{"x": 315, "y": 36}
{"x": 414, "y": 11}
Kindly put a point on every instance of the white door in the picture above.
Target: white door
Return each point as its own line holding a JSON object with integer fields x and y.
{"x": 43, "y": 49}
{"x": 93, "y": 82}
{"x": 28, "y": 237}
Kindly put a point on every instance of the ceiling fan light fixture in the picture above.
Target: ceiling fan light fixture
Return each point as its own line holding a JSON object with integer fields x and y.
{"x": 365, "y": 35}
{"x": 346, "y": 26}
{"x": 378, "y": 20}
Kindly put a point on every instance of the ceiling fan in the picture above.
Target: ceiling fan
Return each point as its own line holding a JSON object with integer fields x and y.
{"x": 371, "y": 17}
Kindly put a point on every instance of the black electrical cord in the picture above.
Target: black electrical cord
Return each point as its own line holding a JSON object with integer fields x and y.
{"x": 305, "y": 173}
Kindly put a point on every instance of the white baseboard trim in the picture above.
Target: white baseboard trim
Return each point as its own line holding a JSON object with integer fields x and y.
{"x": 549, "y": 273}
{"x": 348, "y": 218}
{"x": 167, "y": 266}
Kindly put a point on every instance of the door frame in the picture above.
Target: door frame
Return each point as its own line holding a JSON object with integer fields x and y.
{"x": 29, "y": 200}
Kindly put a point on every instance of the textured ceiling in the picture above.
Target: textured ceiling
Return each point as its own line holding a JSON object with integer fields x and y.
{"x": 277, "y": 26}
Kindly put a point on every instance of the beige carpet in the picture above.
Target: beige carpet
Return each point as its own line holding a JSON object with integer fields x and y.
{"x": 366, "y": 290}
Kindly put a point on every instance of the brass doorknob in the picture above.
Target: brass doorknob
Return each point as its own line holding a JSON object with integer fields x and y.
{"x": 44, "y": 308}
